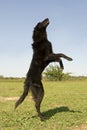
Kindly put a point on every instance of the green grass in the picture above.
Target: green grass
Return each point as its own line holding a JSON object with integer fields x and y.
{"x": 64, "y": 106}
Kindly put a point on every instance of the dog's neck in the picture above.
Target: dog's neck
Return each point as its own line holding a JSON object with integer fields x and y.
{"x": 37, "y": 43}
{"x": 38, "y": 37}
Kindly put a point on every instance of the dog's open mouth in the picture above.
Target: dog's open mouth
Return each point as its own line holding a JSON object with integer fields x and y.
{"x": 45, "y": 22}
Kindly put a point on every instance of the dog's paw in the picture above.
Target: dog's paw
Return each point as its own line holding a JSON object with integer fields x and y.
{"x": 70, "y": 59}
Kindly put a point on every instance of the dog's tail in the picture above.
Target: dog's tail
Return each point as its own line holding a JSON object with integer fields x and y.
{"x": 23, "y": 96}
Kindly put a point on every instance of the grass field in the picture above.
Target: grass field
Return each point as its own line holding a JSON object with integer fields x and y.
{"x": 64, "y": 106}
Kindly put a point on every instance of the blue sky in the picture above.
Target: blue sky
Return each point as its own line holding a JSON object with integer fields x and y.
{"x": 67, "y": 32}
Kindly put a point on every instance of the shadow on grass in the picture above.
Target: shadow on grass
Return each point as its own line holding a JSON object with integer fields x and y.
{"x": 48, "y": 114}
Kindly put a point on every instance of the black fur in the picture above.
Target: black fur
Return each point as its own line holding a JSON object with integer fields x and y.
{"x": 42, "y": 56}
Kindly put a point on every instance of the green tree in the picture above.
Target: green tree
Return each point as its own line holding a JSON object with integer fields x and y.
{"x": 55, "y": 73}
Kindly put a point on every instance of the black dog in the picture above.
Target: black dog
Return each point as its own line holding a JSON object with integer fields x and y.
{"x": 42, "y": 56}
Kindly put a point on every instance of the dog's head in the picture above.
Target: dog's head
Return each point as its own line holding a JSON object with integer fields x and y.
{"x": 42, "y": 25}
{"x": 39, "y": 32}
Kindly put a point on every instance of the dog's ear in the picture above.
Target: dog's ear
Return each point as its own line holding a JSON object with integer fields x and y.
{"x": 38, "y": 26}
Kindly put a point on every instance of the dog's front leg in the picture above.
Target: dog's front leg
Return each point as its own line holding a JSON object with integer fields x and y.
{"x": 52, "y": 58}
{"x": 56, "y": 57}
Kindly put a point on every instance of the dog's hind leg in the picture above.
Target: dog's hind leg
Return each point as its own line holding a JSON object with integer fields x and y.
{"x": 23, "y": 96}
{"x": 38, "y": 94}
